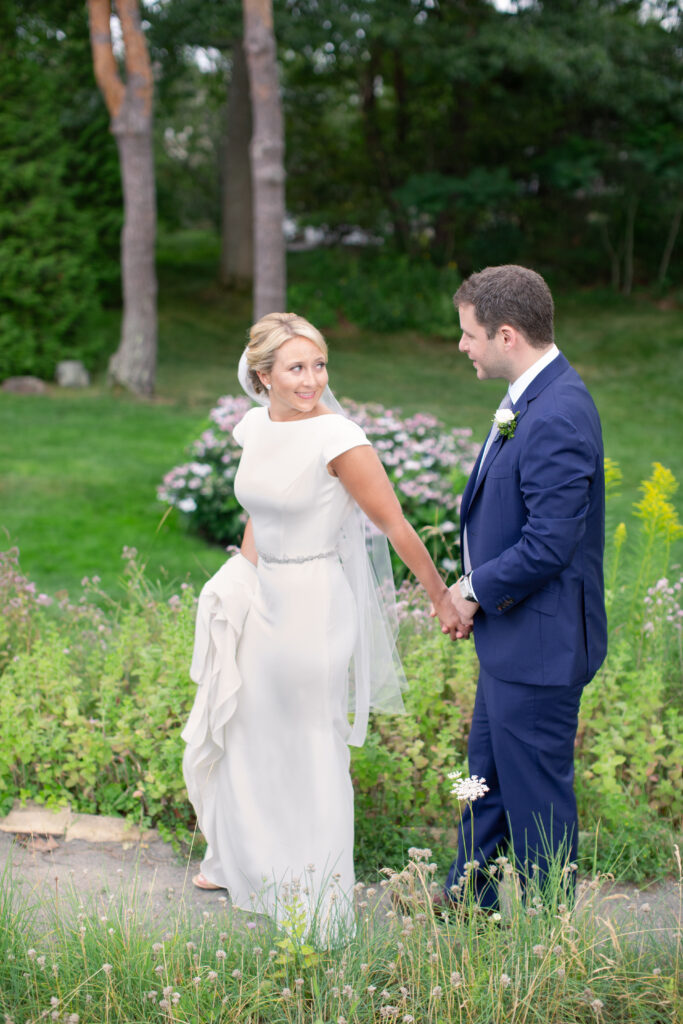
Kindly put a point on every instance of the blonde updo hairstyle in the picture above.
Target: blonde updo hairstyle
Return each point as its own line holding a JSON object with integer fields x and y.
{"x": 266, "y": 337}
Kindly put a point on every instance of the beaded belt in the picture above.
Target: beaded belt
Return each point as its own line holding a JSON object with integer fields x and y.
{"x": 297, "y": 560}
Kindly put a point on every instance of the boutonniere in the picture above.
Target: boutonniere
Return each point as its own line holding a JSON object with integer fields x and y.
{"x": 506, "y": 421}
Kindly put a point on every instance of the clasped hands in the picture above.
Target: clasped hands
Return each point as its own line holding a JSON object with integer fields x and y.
{"x": 454, "y": 613}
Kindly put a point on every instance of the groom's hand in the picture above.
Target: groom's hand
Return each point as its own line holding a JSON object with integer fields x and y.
{"x": 452, "y": 622}
{"x": 466, "y": 609}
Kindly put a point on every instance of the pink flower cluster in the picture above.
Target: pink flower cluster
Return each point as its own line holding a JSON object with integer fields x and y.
{"x": 422, "y": 458}
{"x": 214, "y": 460}
{"x": 663, "y": 605}
{"x": 18, "y": 595}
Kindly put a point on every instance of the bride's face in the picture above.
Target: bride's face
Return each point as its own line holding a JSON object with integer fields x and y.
{"x": 297, "y": 380}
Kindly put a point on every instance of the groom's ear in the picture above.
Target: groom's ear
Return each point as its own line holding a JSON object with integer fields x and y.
{"x": 510, "y": 336}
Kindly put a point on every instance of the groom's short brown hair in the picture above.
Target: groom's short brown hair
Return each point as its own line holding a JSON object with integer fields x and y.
{"x": 510, "y": 295}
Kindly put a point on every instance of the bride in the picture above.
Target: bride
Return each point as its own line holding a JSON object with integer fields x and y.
{"x": 295, "y": 641}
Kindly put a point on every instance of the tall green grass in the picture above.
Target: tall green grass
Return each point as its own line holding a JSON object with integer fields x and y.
{"x": 540, "y": 961}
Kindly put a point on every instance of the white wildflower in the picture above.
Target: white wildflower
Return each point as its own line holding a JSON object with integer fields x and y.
{"x": 468, "y": 789}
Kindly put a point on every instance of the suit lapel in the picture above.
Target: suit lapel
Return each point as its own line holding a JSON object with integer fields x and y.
{"x": 558, "y": 366}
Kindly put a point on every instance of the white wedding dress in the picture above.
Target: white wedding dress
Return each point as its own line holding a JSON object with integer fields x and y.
{"x": 267, "y": 761}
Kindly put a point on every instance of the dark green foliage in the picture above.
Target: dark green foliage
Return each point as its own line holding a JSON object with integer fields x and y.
{"x": 48, "y": 288}
{"x": 549, "y": 135}
{"x": 378, "y": 289}
{"x": 60, "y": 207}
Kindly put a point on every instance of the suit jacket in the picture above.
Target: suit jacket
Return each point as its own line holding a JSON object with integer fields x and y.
{"x": 535, "y": 530}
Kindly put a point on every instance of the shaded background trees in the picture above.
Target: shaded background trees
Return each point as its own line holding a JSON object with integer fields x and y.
{"x": 457, "y": 134}
{"x": 480, "y": 136}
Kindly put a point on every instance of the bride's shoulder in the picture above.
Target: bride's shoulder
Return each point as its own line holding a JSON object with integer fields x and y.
{"x": 338, "y": 434}
{"x": 251, "y": 417}
{"x": 337, "y": 422}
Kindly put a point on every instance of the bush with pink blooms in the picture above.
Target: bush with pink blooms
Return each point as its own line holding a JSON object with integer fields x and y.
{"x": 427, "y": 464}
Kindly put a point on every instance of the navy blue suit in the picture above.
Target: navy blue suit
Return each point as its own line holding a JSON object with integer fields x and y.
{"x": 535, "y": 530}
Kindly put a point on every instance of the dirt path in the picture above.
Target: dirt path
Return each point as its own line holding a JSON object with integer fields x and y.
{"x": 94, "y": 861}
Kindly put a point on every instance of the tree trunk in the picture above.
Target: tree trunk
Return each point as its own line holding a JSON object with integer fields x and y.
{"x": 237, "y": 224}
{"x": 379, "y": 156}
{"x": 629, "y": 244}
{"x": 614, "y": 255}
{"x": 133, "y": 365}
{"x": 267, "y": 159}
{"x": 670, "y": 243}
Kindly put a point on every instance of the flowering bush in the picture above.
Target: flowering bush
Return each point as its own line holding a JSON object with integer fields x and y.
{"x": 203, "y": 489}
{"x": 427, "y": 464}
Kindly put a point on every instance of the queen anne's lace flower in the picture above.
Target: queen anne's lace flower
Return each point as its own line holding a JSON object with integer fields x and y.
{"x": 468, "y": 789}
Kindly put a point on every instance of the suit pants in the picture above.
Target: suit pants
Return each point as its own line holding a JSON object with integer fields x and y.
{"x": 522, "y": 743}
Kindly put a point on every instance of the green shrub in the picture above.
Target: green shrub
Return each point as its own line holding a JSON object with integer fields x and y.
{"x": 376, "y": 288}
{"x": 92, "y": 708}
{"x": 53, "y": 233}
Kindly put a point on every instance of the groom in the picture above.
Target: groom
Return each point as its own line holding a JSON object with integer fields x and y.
{"x": 532, "y": 521}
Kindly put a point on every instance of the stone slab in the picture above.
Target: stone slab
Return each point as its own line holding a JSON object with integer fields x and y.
{"x": 71, "y": 373}
{"x": 25, "y": 385}
{"x": 36, "y": 820}
{"x": 102, "y": 828}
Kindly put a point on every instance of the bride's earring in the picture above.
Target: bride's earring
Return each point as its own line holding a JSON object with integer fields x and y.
{"x": 267, "y": 387}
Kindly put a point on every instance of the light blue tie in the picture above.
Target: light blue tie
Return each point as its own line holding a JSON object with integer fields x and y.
{"x": 505, "y": 404}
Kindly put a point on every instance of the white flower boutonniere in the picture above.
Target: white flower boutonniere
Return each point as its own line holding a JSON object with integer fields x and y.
{"x": 506, "y": 421}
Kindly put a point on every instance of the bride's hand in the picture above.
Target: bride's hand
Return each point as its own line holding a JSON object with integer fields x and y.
{"x": 453, "y": 622}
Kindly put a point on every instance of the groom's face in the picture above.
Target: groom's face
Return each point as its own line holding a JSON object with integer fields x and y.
{"x": 487, "y": 354}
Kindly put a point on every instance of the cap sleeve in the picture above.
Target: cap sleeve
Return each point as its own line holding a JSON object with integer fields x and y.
{"x": 239, "y": 431}
{"x": 342, "y": 434}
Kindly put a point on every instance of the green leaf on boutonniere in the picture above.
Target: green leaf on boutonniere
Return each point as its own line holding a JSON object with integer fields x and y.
{"x": 506, "y": 421}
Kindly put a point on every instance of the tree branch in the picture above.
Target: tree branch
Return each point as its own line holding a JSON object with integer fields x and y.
{"x": 104, "y": 63}
{"x": 138, "y": 65}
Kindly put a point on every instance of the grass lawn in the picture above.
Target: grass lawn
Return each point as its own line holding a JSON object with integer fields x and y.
{"x": 78, "y": 470}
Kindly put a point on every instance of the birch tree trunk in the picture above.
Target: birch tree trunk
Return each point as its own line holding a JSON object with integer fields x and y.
{"x": 629, "y": 243}
{"x": 267, "y": 159}
{"x": 133, "y": 365}
{"x": 237, "y": 223}
{"x": 670, "y": 243}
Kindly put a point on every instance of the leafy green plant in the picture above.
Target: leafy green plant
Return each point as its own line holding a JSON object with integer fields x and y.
{"x": 93, "y": 706}
{"x": 94, "y": 693}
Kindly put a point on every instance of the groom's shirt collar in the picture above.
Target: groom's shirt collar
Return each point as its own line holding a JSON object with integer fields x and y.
{"x": 519, "y": 386}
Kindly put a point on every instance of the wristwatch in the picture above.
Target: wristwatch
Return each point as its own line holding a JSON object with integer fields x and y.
{"x": 465, "y": 584}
